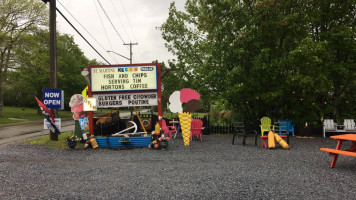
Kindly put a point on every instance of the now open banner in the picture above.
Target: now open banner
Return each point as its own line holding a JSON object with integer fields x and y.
{"x": 53, "y": 98}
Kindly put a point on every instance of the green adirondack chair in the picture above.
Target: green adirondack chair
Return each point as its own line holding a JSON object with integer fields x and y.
{"x": 266, "y": 125}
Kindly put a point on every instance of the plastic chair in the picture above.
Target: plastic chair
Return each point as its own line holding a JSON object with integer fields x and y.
{"x": 288, "y": 124}
{"x": 168, "y": 130}
{"x": 290, "y": 127}
{"x": 329, "y": 126}
{"x": 239, "y": 129}
{"x": 349, "y": 125}
{"x": 266, "y": 125}
{"x": 282, "y": 130}
{"x": 196, "y": 128}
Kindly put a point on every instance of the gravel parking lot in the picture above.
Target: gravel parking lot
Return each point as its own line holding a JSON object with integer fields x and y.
{"x": 212, "y": 169}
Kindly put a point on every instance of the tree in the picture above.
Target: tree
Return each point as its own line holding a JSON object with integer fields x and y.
{"x": 32, "y": 75}
{"x": 267, "y": 57}
{"x": 334, "y": 23}
{"x": 71, "y": 61}
{"x": 17, "y": 17}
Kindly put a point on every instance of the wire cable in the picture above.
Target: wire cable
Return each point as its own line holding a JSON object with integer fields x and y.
{"x": 128, "y": 20}
{"x": 122, "y": 4}
{"x": 87, "y": 30}
{"x": 121, "y": 23}
{"x": 81, "y": 35}
{"x": 110, "y": 22}
{"x": 97, "y": 10}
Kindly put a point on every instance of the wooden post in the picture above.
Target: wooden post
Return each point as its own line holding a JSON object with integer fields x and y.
{"x": 53, "y": 57}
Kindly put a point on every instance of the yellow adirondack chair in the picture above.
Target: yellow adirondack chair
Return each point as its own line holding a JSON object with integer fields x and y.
{"x": 266, "y": 125}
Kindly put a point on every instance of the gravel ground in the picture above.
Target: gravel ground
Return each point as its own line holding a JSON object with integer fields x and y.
{"x": 212, "y": 169}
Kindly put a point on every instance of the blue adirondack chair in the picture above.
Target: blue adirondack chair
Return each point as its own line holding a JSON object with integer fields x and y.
{"x": 283, "y": 126}
{"x": 289, "y": 125}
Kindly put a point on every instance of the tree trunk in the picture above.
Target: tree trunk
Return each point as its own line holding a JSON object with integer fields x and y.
{"x": 1, "y": 101}
{"x": 4, "y": 62}
{"x": 336, "y": 104}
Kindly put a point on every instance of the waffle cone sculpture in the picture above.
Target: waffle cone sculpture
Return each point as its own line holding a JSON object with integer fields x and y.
{"x": 281, "y": 141}
{"x": 271, "y": 143}
{"x": 185, "y": 123}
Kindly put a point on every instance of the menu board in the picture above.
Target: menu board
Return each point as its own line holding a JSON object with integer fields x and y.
{"x": 123, "y": 78}
{"x": 126, "y": 100}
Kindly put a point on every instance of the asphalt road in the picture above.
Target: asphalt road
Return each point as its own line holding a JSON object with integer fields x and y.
{"x": 17, "y": 132}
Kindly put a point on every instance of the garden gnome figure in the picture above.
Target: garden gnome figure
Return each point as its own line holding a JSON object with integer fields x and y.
{"x": 76, "y": 104}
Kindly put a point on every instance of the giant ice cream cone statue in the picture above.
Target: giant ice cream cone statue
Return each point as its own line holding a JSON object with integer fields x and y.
{"x": 177, "y": 98}
{"x": 185, "y": 122}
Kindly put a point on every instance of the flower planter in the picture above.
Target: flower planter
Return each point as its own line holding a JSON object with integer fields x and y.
{"x": 72, "y": 144}
{"x": 163, "y": 144}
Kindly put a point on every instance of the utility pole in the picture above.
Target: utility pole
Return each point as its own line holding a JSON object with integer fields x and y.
{"x": 53, "y": 55}
{"x": 131, "y": 50}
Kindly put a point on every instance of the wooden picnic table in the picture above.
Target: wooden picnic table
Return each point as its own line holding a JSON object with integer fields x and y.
{"x": 336, "y": 152}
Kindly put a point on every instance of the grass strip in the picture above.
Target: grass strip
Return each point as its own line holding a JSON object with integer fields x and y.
{"x": 44, "y": 140}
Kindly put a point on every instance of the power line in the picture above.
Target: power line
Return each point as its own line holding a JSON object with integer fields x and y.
{"x": 86, "y": 29}
{"x": 122, "y": 4}
{"x": 111, "y": 22}
{"x": 128, "y": 20}
{"x": 121, "y": 23}
{"x": 97, "y": 10}
{"x": 81, "y": 35}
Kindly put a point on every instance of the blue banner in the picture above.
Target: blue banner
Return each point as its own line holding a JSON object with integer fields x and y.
{"x": 53, "y": 98}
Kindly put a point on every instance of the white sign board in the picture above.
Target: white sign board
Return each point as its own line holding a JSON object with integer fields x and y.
{"x": 47, "y": 125}
{"x": 123, "y": 78}
{"x": 126, "y": 100}
{"x": 89, "y": 104}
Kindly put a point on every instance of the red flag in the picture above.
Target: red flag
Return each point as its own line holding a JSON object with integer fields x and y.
{"x": 48, "y": 115}
{"x": 45, "y": 110}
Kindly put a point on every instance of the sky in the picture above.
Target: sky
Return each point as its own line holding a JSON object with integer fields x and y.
{"x": 132, "y": 21}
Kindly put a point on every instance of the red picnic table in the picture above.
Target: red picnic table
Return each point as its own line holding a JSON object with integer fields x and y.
{"x": 336, "y": 152}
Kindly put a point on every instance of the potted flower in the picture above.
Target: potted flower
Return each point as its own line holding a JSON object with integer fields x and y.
{"x": 72, "y": 141}
{"x": 163, "y": 142}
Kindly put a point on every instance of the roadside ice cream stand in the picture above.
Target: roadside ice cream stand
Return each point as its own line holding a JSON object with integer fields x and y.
{"x": 116, "y": 86}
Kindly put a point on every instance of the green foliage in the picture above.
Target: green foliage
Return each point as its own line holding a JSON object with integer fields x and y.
{"x": 44, "y": 140}
{"x": 17, "y": 19}
{"x": 24, "y": 55}
{"x": 282, "y": 59}
{"x": 32, "y": 76}
{"x": 219, "y": 115}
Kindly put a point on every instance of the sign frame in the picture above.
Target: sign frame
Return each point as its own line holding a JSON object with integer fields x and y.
{"x": 123, "y": 78}
{"x": 49, "y": 98}
{"x": 143, "y": 90}
{"x": 126, "y": 100}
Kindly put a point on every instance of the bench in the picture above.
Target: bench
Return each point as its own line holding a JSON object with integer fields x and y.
{"x": 337, "y": 151}
{"x": 342, "y": 152}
